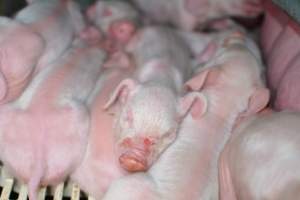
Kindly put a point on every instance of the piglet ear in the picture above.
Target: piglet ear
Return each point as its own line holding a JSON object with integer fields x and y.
{"x": 207, "y": 76}
{"x": 193, "y": 102}
{"x": 258, "y": 101}
{"x": 121, "y": 93}
{"x": 197, "y": 82}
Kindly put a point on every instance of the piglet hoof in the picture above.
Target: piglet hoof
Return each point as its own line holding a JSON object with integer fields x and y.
{"x": 132, "y": 163}
{"x": 3, "y": 87}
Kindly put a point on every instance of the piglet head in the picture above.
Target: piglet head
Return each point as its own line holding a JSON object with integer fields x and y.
{"x": 119, "y": 34}
{"x": 122, "y": 31}
{"x": 146, "y": 122}
{"x": 104, "y": 13}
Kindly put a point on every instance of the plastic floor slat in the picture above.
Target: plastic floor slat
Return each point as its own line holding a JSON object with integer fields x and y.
{"x": 7, "y": 188}
{"x": 23, "y": 193}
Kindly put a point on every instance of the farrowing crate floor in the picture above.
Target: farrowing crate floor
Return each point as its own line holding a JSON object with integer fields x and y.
{"x": 13, "y": 190}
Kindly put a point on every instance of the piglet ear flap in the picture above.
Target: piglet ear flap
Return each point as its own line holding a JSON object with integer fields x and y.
{"x": 205, "y": 77}
{"x": 193, "y": 102}
{"x": 196, "y": 83}
{"x": 258, "y": 101}
{"x": 121, "y": 93}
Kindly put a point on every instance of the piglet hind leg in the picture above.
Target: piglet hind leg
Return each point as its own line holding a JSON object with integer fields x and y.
{"x": 34, "y": 143}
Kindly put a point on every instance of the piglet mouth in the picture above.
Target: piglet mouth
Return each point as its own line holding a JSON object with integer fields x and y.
{"x": 134, "y": 161}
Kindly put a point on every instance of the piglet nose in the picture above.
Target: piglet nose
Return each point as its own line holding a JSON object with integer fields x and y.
{"x": 133, "y": 162}
{"x": 135, "y": 155}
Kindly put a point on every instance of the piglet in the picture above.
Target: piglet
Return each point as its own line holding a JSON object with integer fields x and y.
{"x": 100, "y": 159}
{"x": 261, "y": 160}
{"x": 149, "y": 114}
{"x": 44, "y": 133}
{"x": 231, "y": 86}
{"x": 188, "y": 14}
{"x": 57, "y": 21}
{"x": 21, "y": 48}
{"x": 117, "y": 19}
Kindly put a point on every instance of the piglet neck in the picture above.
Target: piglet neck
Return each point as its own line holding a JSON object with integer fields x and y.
{"x": 222, "y": 107}
{"x": 215, "y": 128}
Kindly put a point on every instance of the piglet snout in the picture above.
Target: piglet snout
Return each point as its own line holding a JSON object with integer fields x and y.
{"x": 122, "y": 31}
{"x": 135, "y": 154}
{"x": 134, "y": 161}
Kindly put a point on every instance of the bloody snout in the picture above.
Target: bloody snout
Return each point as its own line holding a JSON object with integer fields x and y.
{"x": 135, "y": 155}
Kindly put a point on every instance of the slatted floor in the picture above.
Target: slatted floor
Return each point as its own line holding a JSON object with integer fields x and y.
{"x": 13, "y": 190}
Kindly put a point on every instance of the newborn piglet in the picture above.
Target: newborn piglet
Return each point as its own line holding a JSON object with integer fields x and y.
{"x": 148, "y": 103}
